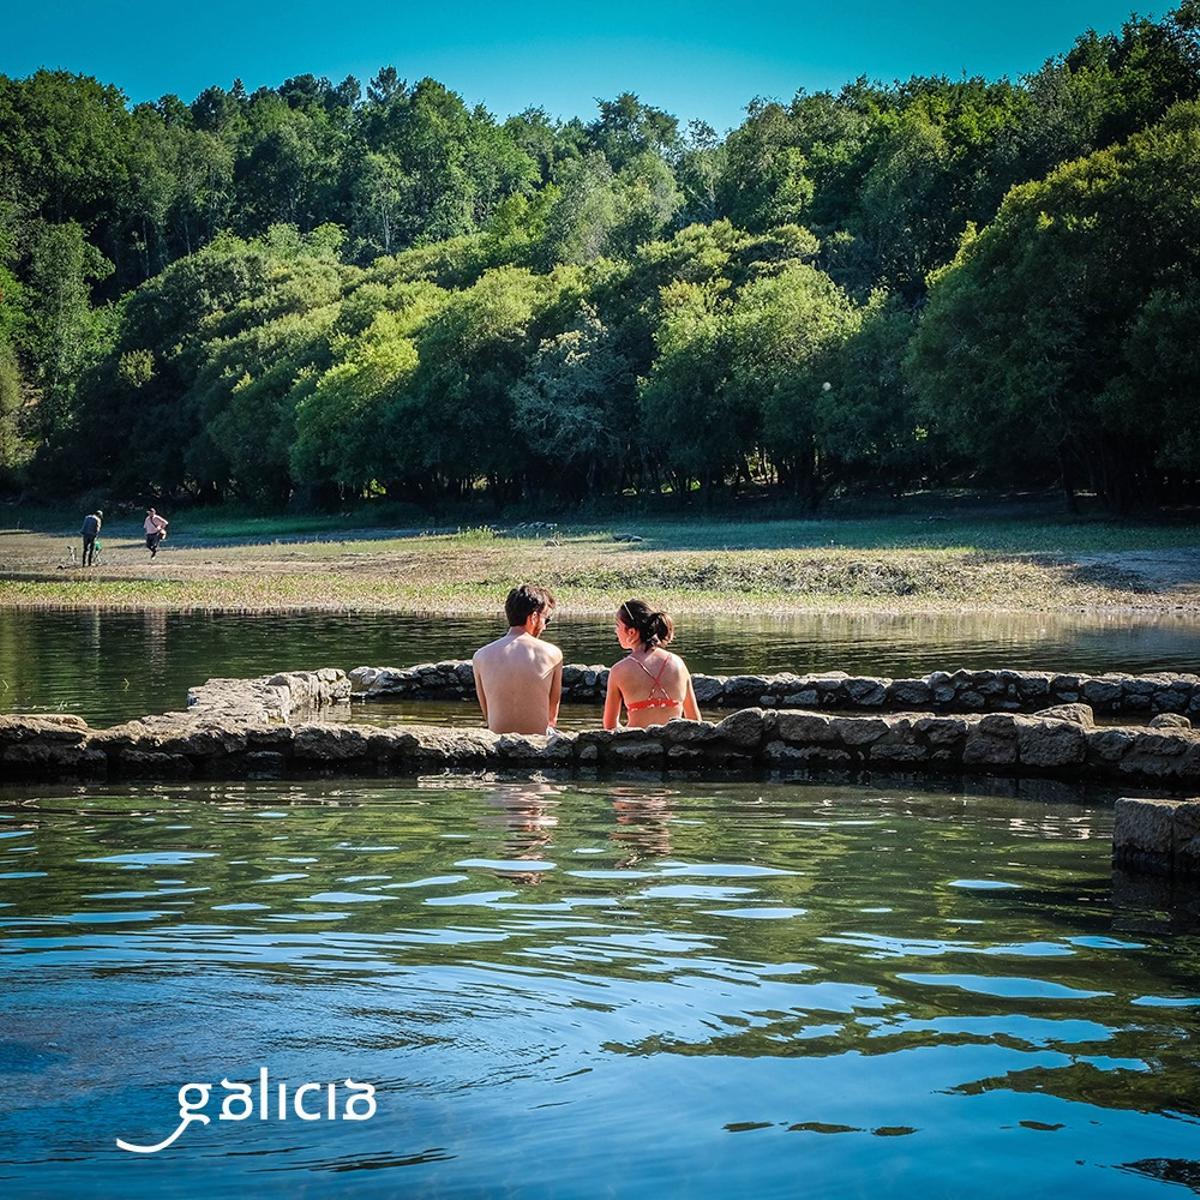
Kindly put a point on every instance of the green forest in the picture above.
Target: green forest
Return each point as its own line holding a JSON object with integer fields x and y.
{"x": 321, "y": 293}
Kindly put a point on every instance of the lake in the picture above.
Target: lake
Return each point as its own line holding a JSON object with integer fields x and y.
{"x": 111, "y": 666}
{"x": 584, "y": 989}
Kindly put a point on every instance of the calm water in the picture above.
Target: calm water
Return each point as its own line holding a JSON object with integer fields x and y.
{"x": 110, "y": 666}
{"x": 572, "y": 990}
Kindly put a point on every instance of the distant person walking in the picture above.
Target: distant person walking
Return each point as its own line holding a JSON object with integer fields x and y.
{"x": 156, "y": 529}
{"x": 91, "y": 531}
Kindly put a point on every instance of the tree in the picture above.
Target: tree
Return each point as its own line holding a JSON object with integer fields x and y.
{"x": 787, "y": 331}
{"x": 64, "y": 334}
{"x": 1032, "y": 351}
{"x": 867, "y": 426}
{"x": 626, "y": 129}
{"x": 457, "y": 415}
{"x": 693, "y": 421}
{"x": 570, "y": 407}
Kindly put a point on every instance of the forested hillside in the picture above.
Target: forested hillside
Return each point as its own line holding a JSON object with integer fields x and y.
{"x": 319, "y": 292}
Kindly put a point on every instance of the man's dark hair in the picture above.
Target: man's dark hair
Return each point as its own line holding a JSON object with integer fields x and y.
{"x": 526, "y": 600}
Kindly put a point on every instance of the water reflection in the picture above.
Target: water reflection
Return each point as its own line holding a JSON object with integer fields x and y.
{"x": 527, "y": 814}
{"x": 729, "y": 987}
{"x": 110, "y": 666}
{"x": 643, "y": 829}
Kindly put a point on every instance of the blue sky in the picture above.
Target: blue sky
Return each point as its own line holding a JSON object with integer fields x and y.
{"x": 696, "y": 59}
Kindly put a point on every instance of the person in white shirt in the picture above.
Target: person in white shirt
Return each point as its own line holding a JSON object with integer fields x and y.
{"x": 156, "y": 529}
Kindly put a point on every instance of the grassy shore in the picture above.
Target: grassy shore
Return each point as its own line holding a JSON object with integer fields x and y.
{"x": 886, "y": 564}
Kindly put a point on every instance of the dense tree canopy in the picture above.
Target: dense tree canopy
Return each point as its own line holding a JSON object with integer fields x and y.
{"x": 1065, "y": 330}
{"x": 327, "y": 291}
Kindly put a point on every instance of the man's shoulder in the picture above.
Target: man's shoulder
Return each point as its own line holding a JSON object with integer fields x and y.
{"x": 489, "y": 649}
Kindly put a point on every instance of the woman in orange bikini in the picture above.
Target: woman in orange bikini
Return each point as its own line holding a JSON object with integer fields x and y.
{"x": 653, "y": 683}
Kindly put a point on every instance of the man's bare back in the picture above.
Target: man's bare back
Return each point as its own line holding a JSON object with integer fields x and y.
{"x": 518, "y": 677}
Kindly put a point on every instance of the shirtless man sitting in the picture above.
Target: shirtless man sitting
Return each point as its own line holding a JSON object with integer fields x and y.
{"x": 518, "y": 677}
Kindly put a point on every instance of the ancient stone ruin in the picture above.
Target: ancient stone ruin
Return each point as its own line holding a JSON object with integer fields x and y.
{"x": 941, "y": 691}
{"x": 271, "y": 727}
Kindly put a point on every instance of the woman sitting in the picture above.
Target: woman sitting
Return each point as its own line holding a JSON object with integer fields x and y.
{"x": 653, "y": 683}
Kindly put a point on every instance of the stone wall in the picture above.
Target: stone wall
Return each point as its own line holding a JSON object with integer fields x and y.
{"x": 942, "y": 691}
{"x": 1161, "y": 837}
{"x": 241, "y": 728}
{"x": 270, "y": 697}
{"x": 210, "y": 735}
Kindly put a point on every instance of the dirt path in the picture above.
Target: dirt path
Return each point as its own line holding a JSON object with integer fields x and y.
{"x": 1175, "y": 572}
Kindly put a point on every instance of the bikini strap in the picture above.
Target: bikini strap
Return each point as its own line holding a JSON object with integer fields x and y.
{"x": 655, "y": 680}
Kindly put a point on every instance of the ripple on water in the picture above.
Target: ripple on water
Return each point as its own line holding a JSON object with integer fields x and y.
{"x": 982, "y": 885}
{"x": 1008, "y": 987}
{"x": 708, "y": 974}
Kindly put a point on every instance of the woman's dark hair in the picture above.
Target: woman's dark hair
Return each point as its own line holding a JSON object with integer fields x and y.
{"x": 526, "y": 600}
{"x": 654, "y": 628}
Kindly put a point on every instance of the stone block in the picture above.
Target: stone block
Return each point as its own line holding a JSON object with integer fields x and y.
{"x": 707, "y": 687}
{"x": 858, "y": 731}
{"x": 803, "y": 727}
{"x": 681, "y": 731}
{"x": 868, "y": 693}
{"x": 1162, "y": 745}
{"x": 941, "y": 731}
{"x": 998, "y": 725}
{"x": 1102, "y": 692}
{"x": 643, "y": 752}
{"x": 52, "y": 756}
{"x": 42, "y": 728}
{"x": 897, "y": 751}
{"x": 1136, "y": 765}
{"x": 1050, "y": 743}
{"x": 153, "y": 764}
{"x": 1144, "y": 826}
{"x": 1081, "y": 714}
{"x": 744, "y": 728}
{"x": 1065, "y": 687}
{"x": 329, "y": 743}
{"x": 988, "y": 750}
{"x": 909, "y": 691}
{"x": 776, "y": 752}
{"x": 1170, "y": 720}
{"x": 1185, "y": 837}
{"x": 1033, "y": 685}
{"x": 1106, "y": 746}
{"x": 741, "y": 686}
{"x": 1170, "y": 700}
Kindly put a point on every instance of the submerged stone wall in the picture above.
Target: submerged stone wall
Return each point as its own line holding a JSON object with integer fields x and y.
{"x": 257, "y": 728}
{"x": 1160, "y": 837}
{"x": 941, "y": 691}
